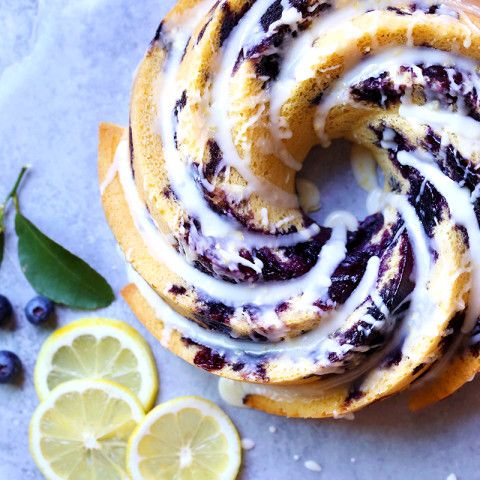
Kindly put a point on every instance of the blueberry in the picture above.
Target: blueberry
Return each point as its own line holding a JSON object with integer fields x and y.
{"x": 5, "y": 310}
{"x": 39, "y": 310}
{"x": 10, "y": 366}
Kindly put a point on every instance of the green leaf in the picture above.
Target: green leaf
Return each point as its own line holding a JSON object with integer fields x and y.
{"x": 58, "y": 274}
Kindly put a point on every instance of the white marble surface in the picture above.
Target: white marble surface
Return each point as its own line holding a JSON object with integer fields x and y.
{"x": 65, "y": 65}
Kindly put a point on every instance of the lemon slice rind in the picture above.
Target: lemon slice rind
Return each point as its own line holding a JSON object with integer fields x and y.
{"x": 99, "y": 328}
{"x": 207, "y": 409}
{"x": 48, "y": 409}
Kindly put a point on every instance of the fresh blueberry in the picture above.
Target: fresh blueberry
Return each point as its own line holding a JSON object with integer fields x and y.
{"x": 10, "y": 366}
{"x": 5, "y": 310}
{"x": 39, "y": 310}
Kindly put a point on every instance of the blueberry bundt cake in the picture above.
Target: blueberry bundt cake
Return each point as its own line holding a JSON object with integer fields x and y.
{"x": 230, "y": 273}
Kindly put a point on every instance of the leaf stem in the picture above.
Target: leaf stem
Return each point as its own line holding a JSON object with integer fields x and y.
{"x": 16, "y": 203}
{"x": 13, "y": 195}
{"x": 15, "y": 188}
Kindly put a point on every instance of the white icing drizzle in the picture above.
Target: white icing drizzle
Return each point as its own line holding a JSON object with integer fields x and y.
{"x": 454, "y": 122}
{"x": 264, "y": 214}
{"x": 290, "y": 17}
{"x": 316, "y": 340}
{"x": 292, "y": 69}
{"x": 231, "y": 392}
{"x": 342, "y": 217}
{"x": 420, "y": 321}
{"x": 180, "y": 179}
{"x": 430, "y": 114}
{"x": 458, "y": 200}
{"x": 109, "y": 176}
{"x": 415, "y": 325}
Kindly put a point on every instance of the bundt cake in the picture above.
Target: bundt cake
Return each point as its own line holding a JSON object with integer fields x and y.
{"x": 230, "y": 273}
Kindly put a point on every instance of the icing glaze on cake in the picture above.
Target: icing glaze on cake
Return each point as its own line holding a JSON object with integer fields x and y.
{"x": 229, "y": 272}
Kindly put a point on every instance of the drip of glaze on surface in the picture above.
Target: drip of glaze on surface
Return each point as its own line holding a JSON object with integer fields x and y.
{"x": 110, "y": 175}
{"x": 312, "y": 466}
{"x": 247, "y": 444}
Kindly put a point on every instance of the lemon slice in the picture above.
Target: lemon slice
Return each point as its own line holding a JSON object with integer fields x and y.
{"x": 80, "y": 432}
{"x": 188, "y": 438}
{"x": 97, "y": 348}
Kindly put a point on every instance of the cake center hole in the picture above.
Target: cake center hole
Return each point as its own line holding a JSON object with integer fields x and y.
{"x": 330, "y": 170}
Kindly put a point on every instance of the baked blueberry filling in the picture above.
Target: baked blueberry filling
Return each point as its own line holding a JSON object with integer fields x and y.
{"x": 394, "y": 357}
{"x": 267, "y": 64}
{"x": 355, "y": 392}
{"x": 272, "y": 14}
{"x": 380, "y": 91}
{"x": 449, "y": 86}
{"x": 177, "y": 290}
{"x": 230, "y": 19}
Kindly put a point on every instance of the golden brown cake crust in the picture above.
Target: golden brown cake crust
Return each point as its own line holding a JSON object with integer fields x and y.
{"x": 448, "y": 281}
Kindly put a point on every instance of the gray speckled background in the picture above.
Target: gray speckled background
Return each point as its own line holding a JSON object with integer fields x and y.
{"x": 65, "y": 65}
